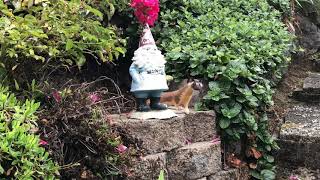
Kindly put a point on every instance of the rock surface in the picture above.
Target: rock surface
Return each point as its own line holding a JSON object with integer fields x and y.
{"x": 312, "y": 83}
{"x": 194, "y": 161}
{"x": 148, "y": 167}
{"x": 310, "y": 36}
{"x": 299, "y": 139}
{"x": 155, "y": 135}
{"x": 301, "y": 123}
{"x": 232, "y": 174}
{"x": 181, "y": 147}
{"x": 297, "y": 173}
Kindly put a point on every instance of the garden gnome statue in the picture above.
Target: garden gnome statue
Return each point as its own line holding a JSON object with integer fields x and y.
{"x": 147, "y": 69}
{"x": 148, "y": 73}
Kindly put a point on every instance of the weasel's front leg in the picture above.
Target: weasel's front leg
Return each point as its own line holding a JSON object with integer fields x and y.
{"x": 186, "y": 110}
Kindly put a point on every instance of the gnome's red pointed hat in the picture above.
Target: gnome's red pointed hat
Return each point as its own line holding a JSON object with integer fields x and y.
{"x": 146, "y": 37}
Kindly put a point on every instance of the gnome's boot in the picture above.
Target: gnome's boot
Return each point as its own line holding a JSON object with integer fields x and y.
{"x": 156, "y": 105}
{"x": 141, "y": 105}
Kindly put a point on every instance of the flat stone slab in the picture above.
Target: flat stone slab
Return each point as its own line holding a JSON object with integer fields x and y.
{"x": 165, "y": 114}
{"x": 312, "y": 83}
{"x": 305, "y": 96}
{"x": 231, "y": 174}
{"x": 301, "y": 122}
{"x": 148, "y": 167}
{"x": 194, "y": 161}
{"x": 301, "y": 173}
{"x": 299, "y": 139}
{"x": 298, "y": 153}
{"x": 156, "y": 135}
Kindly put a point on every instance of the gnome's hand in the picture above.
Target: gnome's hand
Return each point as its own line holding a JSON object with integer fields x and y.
{"x": 134, "y": 74}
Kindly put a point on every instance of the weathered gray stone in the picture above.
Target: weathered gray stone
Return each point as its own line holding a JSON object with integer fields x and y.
{"x": 312, "y": 97}
{"x": 148, "y": 167}
{"x": 302, "y": 173}
{"x": 194, "y": 161}
{"x": 299, "y": 139}
{"x": 231, "y": 174}
{"x": 155, "y": 135}
{"x": 204, "y": 178}
{"x": 312, "y": 83}
{"x": 299, "y": 154}
{"x": 302, "y": 121}
{"x": 200, "y": 126}
{"x": 310, "y": 36}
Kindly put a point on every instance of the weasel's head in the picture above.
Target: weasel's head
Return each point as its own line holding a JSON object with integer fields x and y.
{"x": 196, "y": 85}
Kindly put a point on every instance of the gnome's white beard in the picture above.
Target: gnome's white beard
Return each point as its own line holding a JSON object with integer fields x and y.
{"x": 148, "y": 56}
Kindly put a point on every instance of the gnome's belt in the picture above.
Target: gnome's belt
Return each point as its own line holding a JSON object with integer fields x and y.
{"x": 155, "y": 72}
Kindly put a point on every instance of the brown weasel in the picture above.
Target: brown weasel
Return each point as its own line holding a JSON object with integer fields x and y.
{"x": 182, "y": 96}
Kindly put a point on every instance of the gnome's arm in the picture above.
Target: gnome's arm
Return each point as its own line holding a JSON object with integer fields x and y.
{"x": 133, "y": 70}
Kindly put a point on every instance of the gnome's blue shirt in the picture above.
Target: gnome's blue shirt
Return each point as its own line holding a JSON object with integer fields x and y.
{"x": 148, "y": 70}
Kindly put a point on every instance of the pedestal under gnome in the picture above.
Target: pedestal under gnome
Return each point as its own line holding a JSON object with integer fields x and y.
{"x": 148, "y": 67}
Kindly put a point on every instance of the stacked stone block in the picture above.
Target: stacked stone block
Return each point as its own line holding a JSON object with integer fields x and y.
{"x": 179, "y": 146}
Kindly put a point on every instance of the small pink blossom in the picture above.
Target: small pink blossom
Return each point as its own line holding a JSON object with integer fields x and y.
{"x": 188, "y": 141}
{"x": 146, "y": 11}
{"x": 94, "y": 98}
{"x": 121, "y": 148}
{"x": 56, "y": 95}
{"x": 42, "y": 142}
{"x": 216, "y": 140}
{"x": 293, "y": 177}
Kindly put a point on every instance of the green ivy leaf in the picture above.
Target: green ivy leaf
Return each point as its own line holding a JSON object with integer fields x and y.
{"x": 231, "y": 112}
{"x": 255, "y": 174}
{"x": 1, "y": 170}
{"x": 268, "y": 174}
{"x": 69, "y": 44}
{"x": 269, "y": 158}
{"x": 224, "y": 123}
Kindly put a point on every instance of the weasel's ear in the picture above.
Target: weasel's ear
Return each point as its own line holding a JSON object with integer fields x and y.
{"x": 190, "y": 80}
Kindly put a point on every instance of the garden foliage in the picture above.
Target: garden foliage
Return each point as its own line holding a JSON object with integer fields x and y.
{"x": 59, "y": 31}
{"x": 241, "y": 48}
{"x": 21, "y": 157}
{"x": 37, "y": 38}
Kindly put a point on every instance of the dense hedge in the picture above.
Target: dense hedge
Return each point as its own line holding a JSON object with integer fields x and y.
{"x": 241, "y": 47}
{"x": 65, "y": 32}
{"x": 21, "y": 156}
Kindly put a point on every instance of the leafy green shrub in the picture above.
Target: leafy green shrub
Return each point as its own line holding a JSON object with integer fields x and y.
{"x": 282, "y": 5}
{"x": 59, "y": 31}
{"x": 108, "y": 7}
{"x": 240, "y": 47}
{"x": 20, "y": 154}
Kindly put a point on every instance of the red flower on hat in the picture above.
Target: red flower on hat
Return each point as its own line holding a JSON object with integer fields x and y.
{"x": 146, "y": 11}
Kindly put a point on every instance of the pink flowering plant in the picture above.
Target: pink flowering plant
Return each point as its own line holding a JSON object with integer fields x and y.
{"x": 146, "y": 11}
